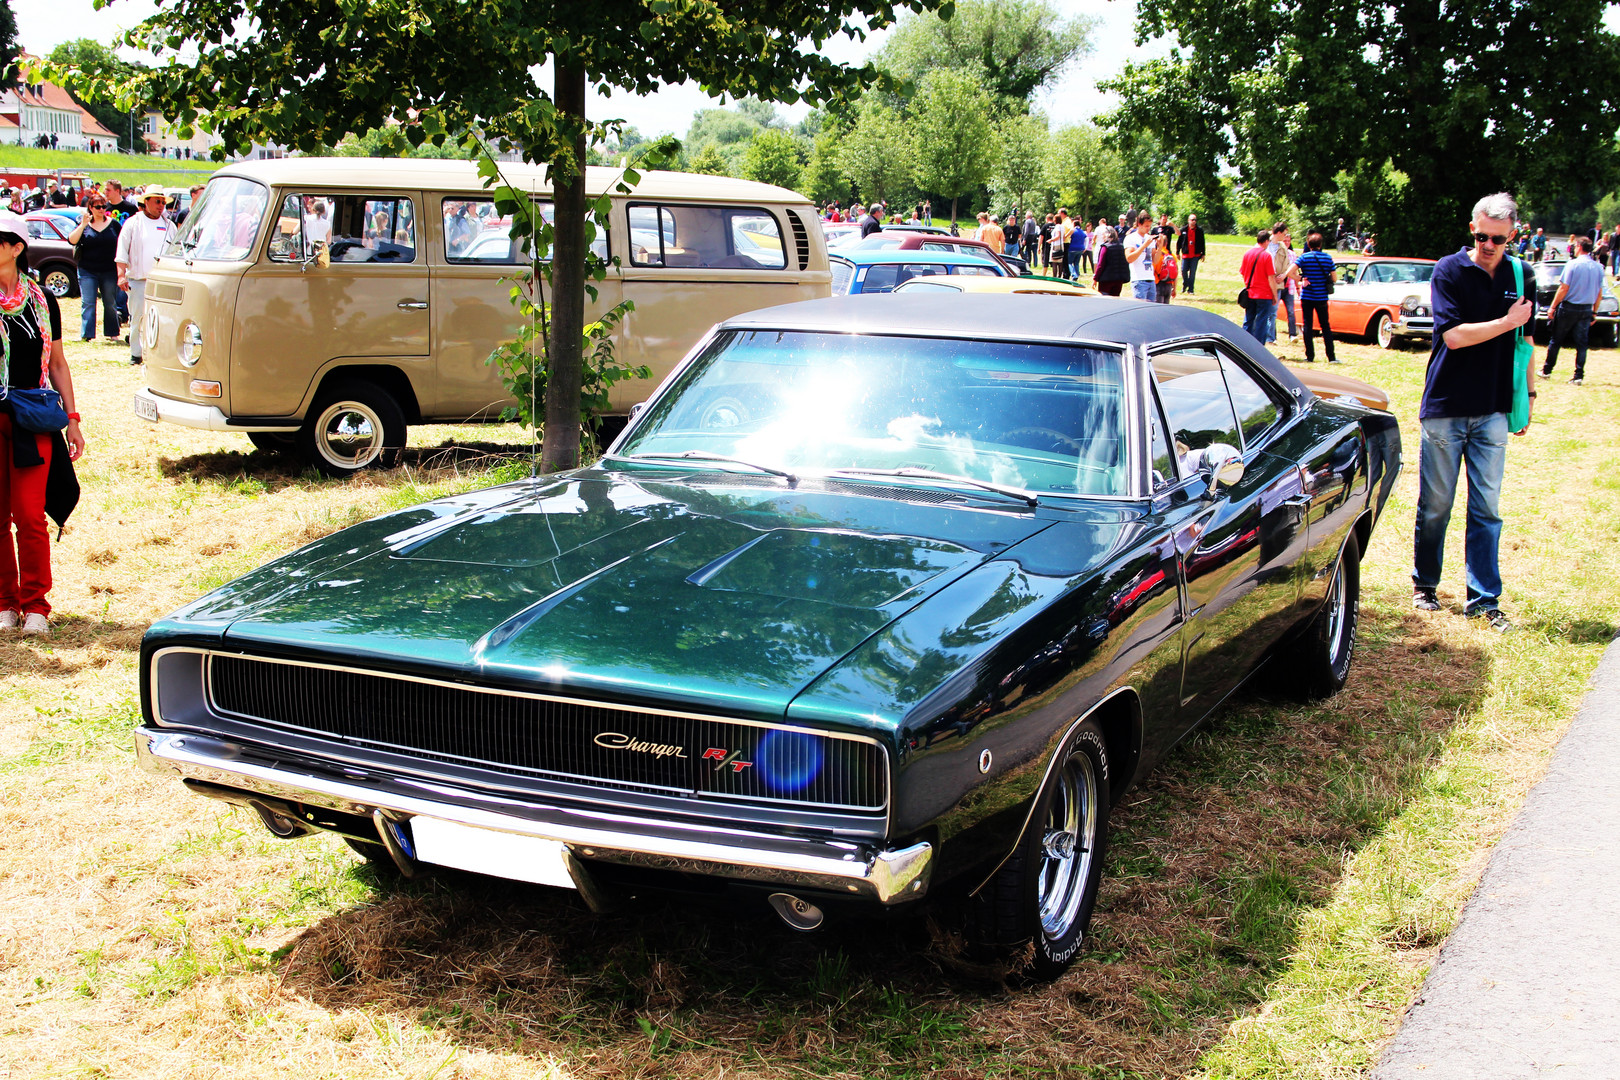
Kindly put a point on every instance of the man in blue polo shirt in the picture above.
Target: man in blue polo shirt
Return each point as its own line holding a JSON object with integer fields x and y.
{"x": 1573, "y": 308}
{"x": 1467, "y": 393}
{"x": 1316, "y": 270}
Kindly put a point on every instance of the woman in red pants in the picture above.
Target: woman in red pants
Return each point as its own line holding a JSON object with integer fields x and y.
{"x": 30, "y": 356}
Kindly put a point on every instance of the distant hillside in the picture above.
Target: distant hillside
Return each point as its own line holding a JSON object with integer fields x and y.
{"x": 130, "y": 168}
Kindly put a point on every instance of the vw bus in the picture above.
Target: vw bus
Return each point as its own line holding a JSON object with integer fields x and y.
{"x": 325, "y": 304}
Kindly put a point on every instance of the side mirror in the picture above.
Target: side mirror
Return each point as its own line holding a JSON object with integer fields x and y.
{"x": 635, "y": 410}
{"x": 1221, "y": 465}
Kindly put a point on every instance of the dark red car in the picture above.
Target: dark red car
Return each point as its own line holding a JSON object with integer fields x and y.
{"x": 51, "y": 256}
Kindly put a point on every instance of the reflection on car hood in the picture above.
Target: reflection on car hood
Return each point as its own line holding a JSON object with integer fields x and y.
{"x": 729, "y": 591}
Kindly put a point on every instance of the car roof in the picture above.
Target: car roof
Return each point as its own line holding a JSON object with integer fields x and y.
{"x": 1384, "y": 258}
{"x": 1032, "y": 286}
{"x": 891, "y": 255}
{"x": 996, "y": 315}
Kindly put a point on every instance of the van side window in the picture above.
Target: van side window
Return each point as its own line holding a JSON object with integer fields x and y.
{"x": 475, "y": 233}
{"x": 350, "y": 228}
{"x": 706, "y": 237}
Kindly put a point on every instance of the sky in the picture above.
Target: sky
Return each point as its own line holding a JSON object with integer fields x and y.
{"x": 41, "y": 26}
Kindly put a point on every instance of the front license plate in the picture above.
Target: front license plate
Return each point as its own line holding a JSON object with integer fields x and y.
{"x": 146, "y": 408}
{"x": 498, "y": 854}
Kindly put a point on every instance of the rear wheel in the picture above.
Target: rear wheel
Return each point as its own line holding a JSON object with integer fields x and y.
{"x": 354, "y": 425}
{"x": 59, "y": 281}
{"x": 1319, "y": 662}
{"x": 1047, "y": 888}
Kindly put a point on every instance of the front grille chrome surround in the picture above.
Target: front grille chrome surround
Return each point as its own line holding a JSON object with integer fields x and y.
{"x": 711, "y": 759}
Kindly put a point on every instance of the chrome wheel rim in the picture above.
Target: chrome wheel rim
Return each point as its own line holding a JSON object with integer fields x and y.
{"x": 1068, "y": 844}
{"x": 1386, "y": 332}
{"x": 349, "y": 435}
{"x": 58, "y": 284}
{"x": 1336, "y": 611}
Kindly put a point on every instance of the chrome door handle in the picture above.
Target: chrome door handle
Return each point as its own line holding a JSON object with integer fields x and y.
{"x": 412, "y": 305}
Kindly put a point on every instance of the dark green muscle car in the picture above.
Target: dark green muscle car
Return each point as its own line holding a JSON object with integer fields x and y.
{"x": 878, "y": 598}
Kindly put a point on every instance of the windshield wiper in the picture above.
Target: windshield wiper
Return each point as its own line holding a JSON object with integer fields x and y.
{"x": 929, "y": 474}
{"x": 704, "y": 455}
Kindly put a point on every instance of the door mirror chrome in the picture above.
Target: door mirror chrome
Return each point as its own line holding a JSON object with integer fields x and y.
{"x": 636, "y": 409}
{"x": 1221, "y": 465}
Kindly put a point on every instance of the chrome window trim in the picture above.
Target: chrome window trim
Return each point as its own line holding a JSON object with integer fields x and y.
{"x": 207, "y": 656}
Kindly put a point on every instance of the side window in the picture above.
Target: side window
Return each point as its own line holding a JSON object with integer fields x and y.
{"x": 1347, "y": 274}
{"x": 842, "y": 274}
{"x": 881, "y": 278}
{"x": 474, "y": 233}
{"x": 705, "y": 237}
{"x": 348, "y": 228}
{"x": 976, "y": 271}
{"x": 1257, "y": 412}
{"x": 1196, "y": 405}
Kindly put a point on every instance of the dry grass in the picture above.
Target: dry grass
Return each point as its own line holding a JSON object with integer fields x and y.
{"x": 1275, "y": 891}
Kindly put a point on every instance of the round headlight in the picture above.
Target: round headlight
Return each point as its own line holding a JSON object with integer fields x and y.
{"x": 190, "y": 344}
{"x": 1410, "y": 304}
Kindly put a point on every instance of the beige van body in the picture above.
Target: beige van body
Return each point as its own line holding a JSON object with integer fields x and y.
{"x": 329, "y": 302}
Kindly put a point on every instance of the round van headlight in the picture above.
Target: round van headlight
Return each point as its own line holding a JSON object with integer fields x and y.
{"x": 191, "y": 344}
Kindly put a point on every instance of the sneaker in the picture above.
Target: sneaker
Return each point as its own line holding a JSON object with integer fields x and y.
{"x": 8, "y": 619}
{"x": 1575, "y": 382}
{"x": 1546, "y": 374}
{"x": 134, "y": 361}
{"x": 1493, "y": 618}
{"x": 36, "y": 624}
{"x": 1424, "y": 599}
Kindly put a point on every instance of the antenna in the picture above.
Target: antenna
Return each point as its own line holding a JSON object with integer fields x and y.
{"x": 534, "y": 381}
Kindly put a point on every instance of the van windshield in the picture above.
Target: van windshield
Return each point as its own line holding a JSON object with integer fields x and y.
{"x": 224, "y": 223}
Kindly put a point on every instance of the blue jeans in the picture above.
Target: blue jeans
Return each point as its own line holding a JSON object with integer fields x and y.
{"x": 1448, "y": 442}
{"x": 1261, "y": 320}
{"x": 1288, "y": 305}
{"x": 1145, "y": 290}
{"x": 105, "y": 282}
{"x": 1074, "y": 262}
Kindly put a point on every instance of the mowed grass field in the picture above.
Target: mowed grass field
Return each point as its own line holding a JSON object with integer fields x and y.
{"x": 1274, "y": 895}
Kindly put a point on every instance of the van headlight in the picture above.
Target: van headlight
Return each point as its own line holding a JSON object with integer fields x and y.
{"x": 190, "y": 344}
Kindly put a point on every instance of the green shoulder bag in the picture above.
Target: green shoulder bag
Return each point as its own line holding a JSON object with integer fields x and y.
{"x": 1523, "y": 349}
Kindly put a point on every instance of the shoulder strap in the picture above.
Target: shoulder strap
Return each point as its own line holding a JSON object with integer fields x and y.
{"x": 1518, "y": 283}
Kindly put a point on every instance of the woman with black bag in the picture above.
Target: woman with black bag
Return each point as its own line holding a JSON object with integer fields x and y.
{"x": 95, "y": 245}
{"x": 1112, "y": 268}
{"x": 31, "y": 358}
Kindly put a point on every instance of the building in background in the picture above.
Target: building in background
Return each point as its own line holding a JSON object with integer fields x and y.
{"x": 33, "y": 111}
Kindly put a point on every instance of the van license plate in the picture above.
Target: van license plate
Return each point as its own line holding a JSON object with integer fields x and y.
{"x": 498, "y": 854}
{"x": 146, "y": 408}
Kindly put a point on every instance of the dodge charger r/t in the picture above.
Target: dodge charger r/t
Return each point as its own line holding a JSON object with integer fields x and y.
{"x": 877, "y": 599}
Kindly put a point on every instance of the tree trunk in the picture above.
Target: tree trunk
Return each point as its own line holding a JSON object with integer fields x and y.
{"x": 953, "y": 216}
{"x": 560, "y": 448}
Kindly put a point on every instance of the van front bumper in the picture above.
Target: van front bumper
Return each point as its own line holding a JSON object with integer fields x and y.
{"x": 239, "y": 771}
{"x": 158, "y": 409}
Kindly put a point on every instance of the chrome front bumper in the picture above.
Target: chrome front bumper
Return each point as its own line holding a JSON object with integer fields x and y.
{"x": 190, "y": 414}
{"x": 860, "y": 870}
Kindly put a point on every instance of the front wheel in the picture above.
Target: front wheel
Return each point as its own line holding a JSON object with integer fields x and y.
{"x": 1319, "y": 662}
{"x": 1383, "y": 330}
{"x": 352, "y": 426}
{"x": 1047, "y": 888}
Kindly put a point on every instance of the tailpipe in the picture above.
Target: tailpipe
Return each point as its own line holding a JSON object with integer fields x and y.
{"x": 797, "y": 913}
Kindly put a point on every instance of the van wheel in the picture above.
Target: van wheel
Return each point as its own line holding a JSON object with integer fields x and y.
{"x": 353, "y": 425}
{"x": 1046, "y": 889}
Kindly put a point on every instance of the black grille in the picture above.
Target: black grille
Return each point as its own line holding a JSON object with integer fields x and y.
{"x": 565, "y": 739}
{"x": 801, "y": 240}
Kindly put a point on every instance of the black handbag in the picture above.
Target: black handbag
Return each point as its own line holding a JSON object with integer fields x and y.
{"x": 35, "y": 408}
{"x": 1243, "y": 298}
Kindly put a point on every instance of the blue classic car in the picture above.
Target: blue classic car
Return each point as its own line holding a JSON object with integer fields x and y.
{"x": 876, "y": 600}
{"x": 877, "y": 271}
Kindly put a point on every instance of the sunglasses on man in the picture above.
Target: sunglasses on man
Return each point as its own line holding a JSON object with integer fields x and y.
{"x": 1494, "y": 239}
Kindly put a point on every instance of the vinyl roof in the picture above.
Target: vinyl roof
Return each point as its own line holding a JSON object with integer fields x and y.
{"x": 893, "y": 255}
{"x": 970, "y": 315}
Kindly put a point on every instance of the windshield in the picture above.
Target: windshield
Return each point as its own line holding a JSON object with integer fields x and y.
{"x": 224, "y": 223}
{"x": 1048, "y": 419}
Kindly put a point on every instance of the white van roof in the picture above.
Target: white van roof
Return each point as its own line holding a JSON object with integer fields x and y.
{"x": 435, "y": 174}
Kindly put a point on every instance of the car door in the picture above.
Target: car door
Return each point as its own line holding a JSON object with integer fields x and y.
{"x": 1346, "y": 314}
{"x": 1240, "y": 546}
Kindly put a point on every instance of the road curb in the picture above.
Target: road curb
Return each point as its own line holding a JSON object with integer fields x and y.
{"x": 1528, "y": 984}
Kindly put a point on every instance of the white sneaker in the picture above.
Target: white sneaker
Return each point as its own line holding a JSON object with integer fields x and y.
{"x": 8, "y": 620}
{"x": 36, "y": 624}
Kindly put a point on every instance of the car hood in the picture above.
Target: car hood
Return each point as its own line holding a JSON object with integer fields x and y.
{"x": 733, "y": 592}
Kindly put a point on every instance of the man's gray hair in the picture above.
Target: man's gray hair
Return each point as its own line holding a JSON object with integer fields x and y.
{"x": 1107, "y": 235}
{"x": 1498, "y": 207}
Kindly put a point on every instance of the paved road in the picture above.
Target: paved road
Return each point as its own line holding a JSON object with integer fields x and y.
{"x": 1528, "y": 984}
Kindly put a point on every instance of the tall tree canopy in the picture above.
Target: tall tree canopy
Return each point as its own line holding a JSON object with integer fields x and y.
{"x": 86, "y": 52}
{"x": 957, "y": 152}
{"x": 8, "y": 47}
{"x": 1014, "y": 46}
{"x": 1462, "y": 99}
{"x": 306, "y": 72}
